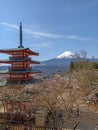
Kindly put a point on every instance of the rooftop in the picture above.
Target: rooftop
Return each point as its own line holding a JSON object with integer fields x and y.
{"x": 8, "y": 61}
{"x": 11, "y": 50}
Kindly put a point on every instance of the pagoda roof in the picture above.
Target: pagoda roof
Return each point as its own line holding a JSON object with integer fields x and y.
{"x": 9, "y": 61}
{"x": 20, "y": 71}
{"x": 10, "y": 51}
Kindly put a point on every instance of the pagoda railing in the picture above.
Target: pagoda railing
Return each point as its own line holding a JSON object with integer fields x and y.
{"x": 19, "y": 68}
{"x": 19, "y": 58}
{"x": 20, "y": 79}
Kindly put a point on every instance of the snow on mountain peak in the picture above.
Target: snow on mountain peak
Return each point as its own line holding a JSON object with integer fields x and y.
{"x": 66, "y": 54}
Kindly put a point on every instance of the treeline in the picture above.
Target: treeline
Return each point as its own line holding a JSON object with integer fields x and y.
{"x": 76, "y": 65}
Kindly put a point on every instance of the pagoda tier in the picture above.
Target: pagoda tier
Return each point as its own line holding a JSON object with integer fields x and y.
{"x": 21, "y": 51}
{"x": 20, "y": 62}
{"x": 20, "y": 74}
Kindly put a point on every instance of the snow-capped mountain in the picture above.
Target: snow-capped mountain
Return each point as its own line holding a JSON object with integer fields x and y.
{"x": 66, "y": 54}
{"x": 60, "y": 64}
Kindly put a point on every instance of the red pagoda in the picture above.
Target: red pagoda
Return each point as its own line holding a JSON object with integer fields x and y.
{"x": 19, "y": 60}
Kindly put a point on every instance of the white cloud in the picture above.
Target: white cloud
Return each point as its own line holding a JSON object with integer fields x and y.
{"x": 10, "y": 25}
{"x": 55, "y": 36}
{"x": 48, "y": 35}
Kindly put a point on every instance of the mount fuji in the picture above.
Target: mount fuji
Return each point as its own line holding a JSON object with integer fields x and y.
{"x": 61, "y": 60}
{"x": 59, "y": 65}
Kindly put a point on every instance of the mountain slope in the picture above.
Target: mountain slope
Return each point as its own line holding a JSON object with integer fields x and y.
{"x": 60, "y": 64}
{"x": 54, "y": 66}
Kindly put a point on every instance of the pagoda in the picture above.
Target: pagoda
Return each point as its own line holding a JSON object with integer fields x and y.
{"x": 19, "y": 60}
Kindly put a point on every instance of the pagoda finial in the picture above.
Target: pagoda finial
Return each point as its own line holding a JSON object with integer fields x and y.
{"x": 20, "y": 46}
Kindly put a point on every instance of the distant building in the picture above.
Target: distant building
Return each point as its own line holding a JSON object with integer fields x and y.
{"x": 20, "y": 69}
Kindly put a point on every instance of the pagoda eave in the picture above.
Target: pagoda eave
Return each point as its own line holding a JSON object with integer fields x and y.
{"x": 11, "y": 51}
{"x": 32, "y": 52}
{"x": 5, "y": 62}
{"x": 10, "y": 62}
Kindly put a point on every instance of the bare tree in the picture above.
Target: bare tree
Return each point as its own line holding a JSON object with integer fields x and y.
{"x": 63, "y": 99}
{"x": 83, "y": 54}
{"x": 61, "y": 102}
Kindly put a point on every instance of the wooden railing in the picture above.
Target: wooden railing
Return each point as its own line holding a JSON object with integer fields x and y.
{"x": 7, "y": 124}
{"x": 24, "y": 126}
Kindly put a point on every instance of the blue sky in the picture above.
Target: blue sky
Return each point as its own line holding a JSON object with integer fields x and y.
{"x": 50, "y": 27}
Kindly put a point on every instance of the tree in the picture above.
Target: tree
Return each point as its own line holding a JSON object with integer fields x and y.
{"x": 61, "y": 102}
{"x": 71, "y": 67}
{"x": 62, "y": 98}
{"x": 22, "y": 103}
{"x": 83, "y": 54}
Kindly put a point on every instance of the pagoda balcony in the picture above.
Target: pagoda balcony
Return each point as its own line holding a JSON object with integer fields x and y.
{"x": 19, "y": 79}
{"x": 19, "y": 58}
{"x": 19, "y": 68}
{"x": 16, "y": 57}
